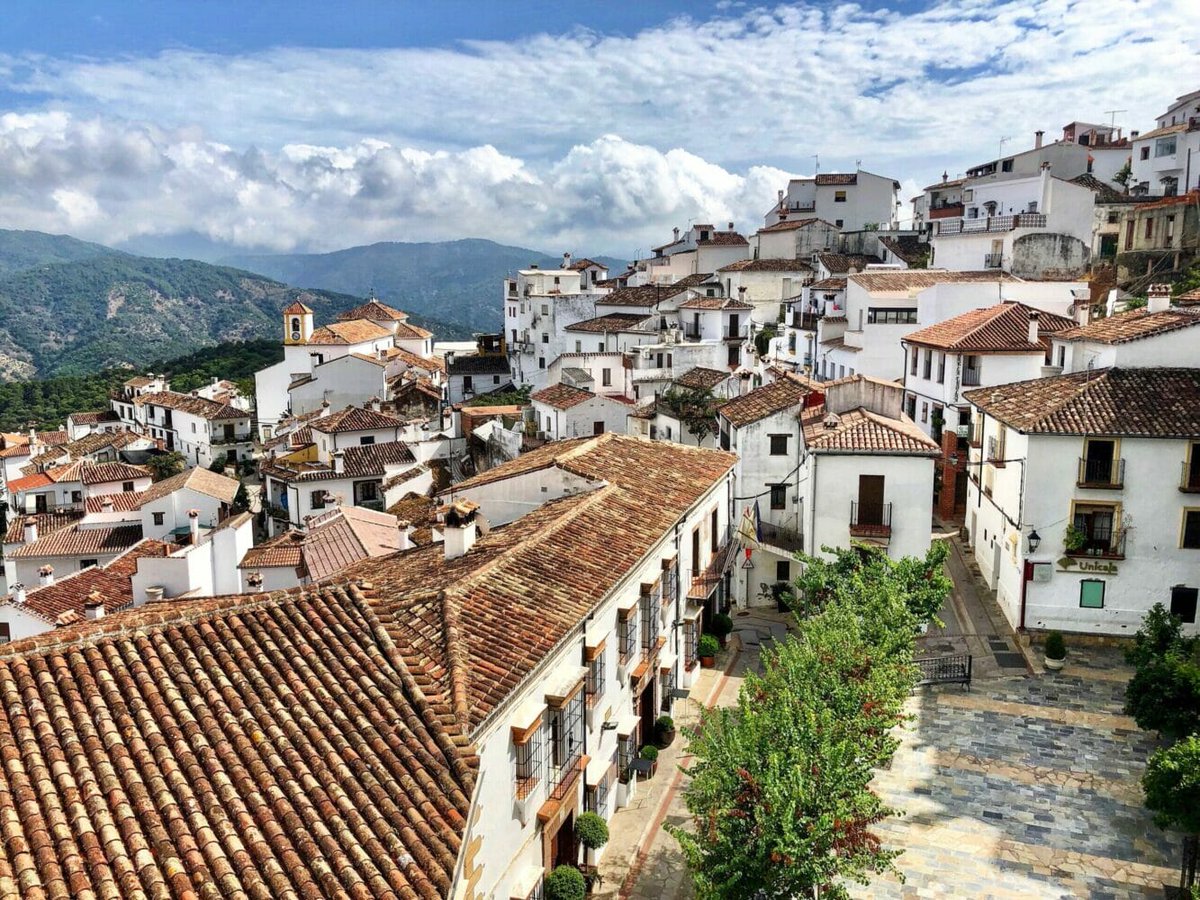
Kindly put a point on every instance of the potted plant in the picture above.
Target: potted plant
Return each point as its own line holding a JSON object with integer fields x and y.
{"x": 722, "y": 627}
{"x": 1075, "y": 539}
{"x": 564, "y": 883}
{"x": 707, "y": 649}
{"x": 1056, "y": 650}
{"x": 592, "y": 832}
{"x": 650, "y": 754}
{"x": 784, "y": 594}
{"x": 664, "y": 731}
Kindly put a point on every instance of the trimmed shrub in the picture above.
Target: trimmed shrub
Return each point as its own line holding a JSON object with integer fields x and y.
{"x": 708, "y": 645}
{"x": 592, "y": 830}
{"x": 722, "y": 625}
{"x": 565, "y": 883}
{"x": 649, "y": 752}
{"x": 1056, "y": 647}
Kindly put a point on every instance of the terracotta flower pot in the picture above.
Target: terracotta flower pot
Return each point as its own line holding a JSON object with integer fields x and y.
{"x": 707, "y": 662}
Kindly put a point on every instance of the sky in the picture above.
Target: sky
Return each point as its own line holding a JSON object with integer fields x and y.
{"x": 593, "y": 127}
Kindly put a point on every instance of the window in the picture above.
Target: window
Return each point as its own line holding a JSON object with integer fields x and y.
{"x": 1098, "y": 522}
{"x": 541, "y": 362}
{"x": 127, "y": 487}
{"x": 626, "y": 750}
{"x": 1149, "y": 228}
{"x": 778, "y": 496}
{"x": 1112, "y": 218}
{"x": 691, "y": 643}
{"x": 159, "y": 518}
{"x": 529, "y": 761}
{"x": 838, "y": 223}
{"x": 368, "y": 490}
{"x": 5, "y": 634}
{"x": 566, "y": 744}
{"x": 879, "y": 316}
{"x": 85, "y": 563}
{"x": 468, "y": 384}
{"x": 779, "y": 444}
{"x": 1145, "y": 153}
{"x": 579, "y": 346}
{"x": 1169, "y": 232}
{"x": 924, "y": 411}
{"x": 366, "y": 440}
{"x": 1006, "y": 166}
{"x": 545, "y": 309}
{"x": 595, "y": 676}
{"x": 193, "y": 428}
{"x": 316, "y": 500}
{"x": 606, "y": 377}
{"x": 1183, "y": 603}
{"x": 839, "y": 196}
{"x": 927, "y": 369}
{"x": 941, "y": 368}
{"x": 627, "y": 628}
{"x": 1091, "y": 594}
{"x": 648, "y": 609}
{"x": 1191, "y": 529}
{"x": 912, "y": 352}
{"x": 76, "y": 496}
{"x": 1165, "y": 146}
{"x": 783, "y": 570}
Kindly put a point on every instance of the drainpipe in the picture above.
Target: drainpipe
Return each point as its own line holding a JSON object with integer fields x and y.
{"x": 1026, "y": 577}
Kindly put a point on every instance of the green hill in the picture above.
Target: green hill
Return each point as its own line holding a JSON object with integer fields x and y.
{"x": 115, "y": 309}
{"x": 455, "y": 281}
{"x": 26, "y": 249}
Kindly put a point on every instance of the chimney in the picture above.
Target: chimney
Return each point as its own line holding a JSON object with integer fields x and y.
{"x": 1083, "y": 312}
{"x": 93, "y": 606}
{"x": 215, "y": 379}
{"x": 779, "y": 195}
{"x": 730, "y": 226}
{"x": 194, "y": 525}
{"x": 406, "y": 531}
{"x": 566, "y": 263}
{"x": 154, "y": 594}
{"x": 106, "y": 505}
{"x": 458, "y": 535}
{"x": 255, "y": 582}
{"x": 1133, "y": 134}
{"x": 381, "y": 353}
{"x": 1037, "y": 139}
{"x": 675, "y": 232}
{"x": 375, "y": 404}
{"x": 1033, "y": 326}
{"x": 18, "y": 593}
{"x": 1158, "y": 298}
{"x": 339, "y": 462}
{"x": 32, "y": 439}
{"x": 46, "y": 576}
{"x": 945, "y": 176}
{"x": 30, "y": 530}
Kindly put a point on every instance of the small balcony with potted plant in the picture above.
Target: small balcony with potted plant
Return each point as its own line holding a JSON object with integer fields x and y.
{"x": 1094, "y": 535}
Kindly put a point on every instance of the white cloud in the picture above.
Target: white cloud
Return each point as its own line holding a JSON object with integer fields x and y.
{"x": 302, "y": 147}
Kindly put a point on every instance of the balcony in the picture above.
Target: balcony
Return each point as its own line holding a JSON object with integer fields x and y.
{"x": 870, "y": 520}
{"x": 946, "y": 211}
{"x": 995, "y": 452}
{"x": 706, "y": 581}
{"x": 734, "y": 334}
{"x": 779, "y": 536}
{"x": 971, "y": 378}
{"x": 1100, "y": 546}
{"x": 977, "y": 436}
{"x": 1101, "y": 474}
{"x": 691, "y": 332}
{"x": 805, "y": 321}
{"x": 1189, "y": 481}
{"x": 985, "y": 224}
{"x": 992, "y": 260}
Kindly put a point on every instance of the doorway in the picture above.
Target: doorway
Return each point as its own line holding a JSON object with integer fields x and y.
{"x": 647, "y": 712}
{"x": 870, "y": 499}
{"x": 564, "y": 851}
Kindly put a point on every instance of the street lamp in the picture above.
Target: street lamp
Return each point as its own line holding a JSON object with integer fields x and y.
{"x": 1035, "y": 541}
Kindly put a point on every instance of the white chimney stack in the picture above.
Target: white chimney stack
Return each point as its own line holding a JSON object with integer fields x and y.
{"x": 194, "y": 525}
{"x": 1037, "y": 139}
{"x": 154, "y": 594}
{"x": 18, "y": 593}
{"x": 1034, "y": 315}
{"x": 32, "y": 437}
{"x": 339, "y": 462}
{"x": 46, "y": 576}
{"x": 93, "y": 606}
{"x": 406, "y": 531}
{"x": 458, "y": 535}
{"x": 566, "y": 263}
{"x": 255, "y": 582}
{"x": 30, "y": 530}
{"x": 1158, "y": 298}
{"x": 106, "y": 505}
{"x": 675, "y": 232}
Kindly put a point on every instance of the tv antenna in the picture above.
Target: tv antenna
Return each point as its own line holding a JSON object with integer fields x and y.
{"x": 816, "y": 163}
{"x": 1003, "y": 141}
{"x": 1112, "y": 116}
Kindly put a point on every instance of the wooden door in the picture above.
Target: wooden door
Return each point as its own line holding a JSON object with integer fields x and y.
{"x": 870, "y": 500}
{"x": 1099, "y": 463}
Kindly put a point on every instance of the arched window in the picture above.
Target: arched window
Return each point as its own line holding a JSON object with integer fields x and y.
{"x": 295, "y": 324}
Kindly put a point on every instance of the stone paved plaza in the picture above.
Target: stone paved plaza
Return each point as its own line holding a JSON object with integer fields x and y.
{"x": 1026, "y": 787}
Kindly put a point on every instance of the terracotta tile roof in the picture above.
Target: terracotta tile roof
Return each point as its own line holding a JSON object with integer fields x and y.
{"x": 199, "y": 479}
{"x": 270, "y": 745}
{"x": 833, "y": 283}
{"x": 1150, "y": 402}
{"x": 30, "y": 483}
{"x": 375, "y": 311}
{"x": 125, "y": 501}
{"x": 1003, "y": 328}
{"x": 562, "y": 396}
{"x": 911, "y": 249}
{"x": 949, "y": 183}
{"x": 354, "y": 418}
{"x": 334, "y": 541}
{"x": 909, "y": 280}
{"x": 794, "y": 224}
{"x": 839, "y": 343}
{"x": 762, "y": 402}
{"x": 367, "y": 461}
{"x": 295, "y": 308}
{"x": 81, "y": 541}
{"x": 1161, "y": 132}
{"x": 714, "y": 303}
{"x": 358, "y": 331}
{"x": 481, "y": 623}
{"x": 1188, "y": 298}
{"x": 1192, "y": 198}
{"x": 1133, "y": 325}
{"x": 101, "y": 440}
{"x": 102, "y": 473}
{"x": 767, "y": 265}
{"x": 426, "y": 364}
{"x": 408, "y": 331}
{"x": 94, "y": 418}
{"x": 613, "y": 322}
{"x": 418, "y": 511}
{"x": 701, "y": 378}
{"x": 842, "y": 263}
{"x": 580, "y": 264}
{"x": 650, "y": 295}
{"x": 863, "y": 431}
{"x": 196, "y": 406}
{"x": 365, "y": 357}
{"x": 112, "y": 583}
{"x": 141, "y": 381}
{"x": 476, "y": 364}
{"x": 723, "y": 238}
{"x": 54, "y": 438}
{"x": 1105, "y": 192}
{"x": 47, "y": 523}
{"x": 15, "y": 451}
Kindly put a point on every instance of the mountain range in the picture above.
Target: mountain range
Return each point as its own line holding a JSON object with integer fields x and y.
{"x": 72, "y": 307}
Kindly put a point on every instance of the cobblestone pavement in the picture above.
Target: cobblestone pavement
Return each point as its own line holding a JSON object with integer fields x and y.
{"x": 1025, "y": 787}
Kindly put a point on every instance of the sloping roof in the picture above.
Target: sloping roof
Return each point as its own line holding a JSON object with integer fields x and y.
{"x": 102, "y": 440}
{"x": 613, "y": 322}
{"x": 482, "y": 622}
{"x": 833, "y": 283}
{"x": 196, "y": 406}
{"x": 919, "y": 279}
{"x": 425, "y": 363}
{"x": 863, "y": 431}
{"x": 82, "y": 541}
{"x": 724, "y": 238}
{"x": 367, "y": 461}
{"x": 842, "y": 263}
{"x": 373, "y": 310}
{"x": 47, "y": 523}
{"x": 295, "y": 308}
{"x": 1150, "y": 402}
{"x": 1105, "y": 192}
{"x": 30, "y": 483}
{"x": 409, "y": 331}
{"x": 334, "y": 540}
{"x": 270, "y": 745}
{"x": 102, "y": 473}
{"x": 701, "y": 378}
{"x": 580, "y": 264}
{"x": 909, "y": 248}
{"x": 651, "y": 294}
{"x": 714, "y": 303}
{"x": 1162, "y": 132}
{"x": 767, "y": 265}
{"x": 1133, "y": 325}
{"x": 793, "y": 224}
{"x": 354, "y": 418}
{"x": 762, "y": 402}
{"x": 357, "y": 331}
{"x": 122, "y": 501}
{"x": 1003, "y": 328}
{"x": 94, "y": 418}
{"x": 477, "y": 364}
{"x": 418, "y": 511}
{"x": 199, "y": 479}
{"x": 562, "y": 396}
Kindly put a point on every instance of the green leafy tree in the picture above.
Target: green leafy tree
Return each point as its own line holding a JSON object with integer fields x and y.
{"x": 1124, "y": 175}
{"x": 565, "y": 883}
{"x": 780, "y": 792}
{"x": 164, "y": 465}
{"x": 241, "y": 500}
{"x": 922, "y": 581}
{"x": 1172, "y": 787}
{"x": 1164, "y": 693}
{"x": 695, "y": 408}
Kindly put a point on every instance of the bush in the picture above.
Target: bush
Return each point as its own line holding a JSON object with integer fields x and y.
{"x": 1056, "y": 647}
{"x": 1172, "y": 786}
{"x": 649, "y": 752}
{"x": 709, "y": 645}
{"x": 1164, "y": 696}
{"x": 722, "y": 625}
{"x": 664, "y": 723}
{"x": 591, "y": 830}
{"x": 565, "y": 883}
